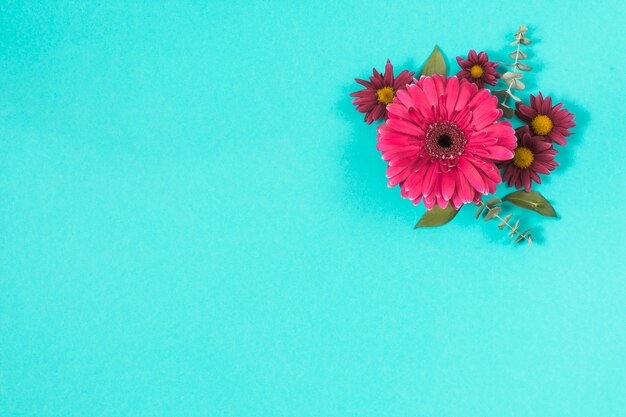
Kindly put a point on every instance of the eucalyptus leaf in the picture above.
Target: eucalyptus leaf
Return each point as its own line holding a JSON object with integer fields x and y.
{"x": 437, "y": 216}
{"x": 519, "y": 66}
{"x": 493, "y": 212}
{"x": 515, "y": 84}
{"x": 522, "y": 30}
{"x": 512, "y": 75}
{"x": 480, "y": 210}
{"x": 493, "y": 201}
{"x": 514, "y": 97}
{"x": 507, "y": 111}
{"x": 514, "y": 229}
{"x": 505, "y": 221}
{"x": 435, "y": 64}
{"x": 519, "y": 55}
{"x": 531, "y": 201}
{"x": 500, "y": 93}
{"x": 525, "y": 41}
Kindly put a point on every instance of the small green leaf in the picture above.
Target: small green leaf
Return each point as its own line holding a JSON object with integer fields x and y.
{"x": 507, "y": 111}
{"x": 505, "y": 221}
{"x": 437, "y": 216}
{"x": 480, "y": 210}
{"x": 522, "y": 30}
{"x": 519, "y": 55}
{"x": 493, "y": 212}
{"x": 515, "y": 83}
{"x": 500, "y": 93}
{"x": 511, "y": 75}
{"x": 514, "y": 229}
{"x": 531, "y": 201}
{"x": 435, "y": 64}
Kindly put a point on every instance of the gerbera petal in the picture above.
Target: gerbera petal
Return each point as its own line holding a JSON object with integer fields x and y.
{"x": 447, "y": 184}
{"x": 404, "y": 126}
{"x": 430, "y": 179}
{"x": 463, "y": 188}
{"x": 430, "y": 90}
{"x": 473, "y": 176}
{"x": 452, "y": 92}
{"x": 429, "y": 201}
{"x": 500, "y": 153}
{"x": 466, "y": 90}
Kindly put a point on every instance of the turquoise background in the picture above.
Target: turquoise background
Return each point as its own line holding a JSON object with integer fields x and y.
{"x": 194, "y": 220}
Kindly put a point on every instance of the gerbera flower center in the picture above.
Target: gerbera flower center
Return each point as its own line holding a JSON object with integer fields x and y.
{"x": 476, "y": 71}
{"x": 444, "y": 140}
{"x": 523, "y": 157}
{"x": 542, "y": 124}
{"x": 385, "y": 95}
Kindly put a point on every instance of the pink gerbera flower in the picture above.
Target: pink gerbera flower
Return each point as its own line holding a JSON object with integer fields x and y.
{"x": 478, "y": 69}
{"x": 553, "y": 123}
{"x": 533, "y": 156}
{"x": 441, "y": 138}
{"x": 379, "y": 91}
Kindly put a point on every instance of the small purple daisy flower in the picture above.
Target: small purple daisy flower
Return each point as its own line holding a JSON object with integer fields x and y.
{"x": 478, "y": 69}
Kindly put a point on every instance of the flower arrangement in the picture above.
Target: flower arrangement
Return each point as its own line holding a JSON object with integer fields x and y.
{"x": 447, "y": 142}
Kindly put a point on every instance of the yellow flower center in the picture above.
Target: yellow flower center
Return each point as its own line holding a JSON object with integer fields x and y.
{"x": 476, "y": 71}
{"x": 385, "y": 95}
{"x": 523, "y": 158}
{"x": 542, "y": 125}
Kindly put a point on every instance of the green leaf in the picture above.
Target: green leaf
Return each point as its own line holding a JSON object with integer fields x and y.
{"x": 531, "y": 201}
{"x": 493, "y": 212}
{"x": 437, "y": 216}
{"x": 435, "y": 64}
{"x": 480, "y": 210}
{"x": 507, "y": 111}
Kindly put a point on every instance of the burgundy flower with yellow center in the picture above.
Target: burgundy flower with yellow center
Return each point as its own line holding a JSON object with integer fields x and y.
{"x": 544, "y": 120}
{"x": 478, "y": 69}
{"x": 379, "y": 91}
{"x": 533, "y": 156}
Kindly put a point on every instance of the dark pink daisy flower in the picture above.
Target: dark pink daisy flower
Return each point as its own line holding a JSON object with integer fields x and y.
{"x": 533, "y": 156}
{"x": 441, "y": 140}
{"x": 379, "y": 91}
{"x": 553, "y": 123}
{"x": 478, "y": 69}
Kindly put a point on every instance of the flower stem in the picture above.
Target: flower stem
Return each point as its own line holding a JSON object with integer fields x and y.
{"x": 497, "y": 216}
{"x": 508, "y": 90}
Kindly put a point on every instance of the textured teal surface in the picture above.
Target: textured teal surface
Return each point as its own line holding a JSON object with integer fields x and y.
{"x": 195, "y": 222}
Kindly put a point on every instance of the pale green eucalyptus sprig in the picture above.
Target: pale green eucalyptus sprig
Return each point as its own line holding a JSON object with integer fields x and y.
{"x": 513, "y": 78}
{"x": 491, "y": 210}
